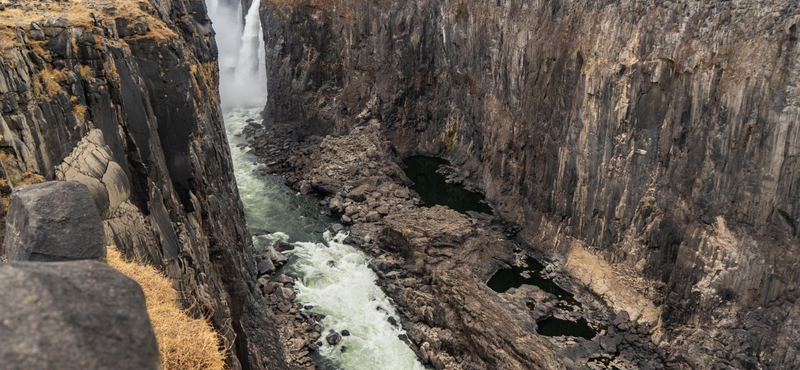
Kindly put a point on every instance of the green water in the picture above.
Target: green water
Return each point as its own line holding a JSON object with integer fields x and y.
{"x": 434, "y": 189}
{"x": 273, "y": 210}
{"x": 554, "y": 327}
{"x": 345, "y": 291}
{"x": 505, "y": 279}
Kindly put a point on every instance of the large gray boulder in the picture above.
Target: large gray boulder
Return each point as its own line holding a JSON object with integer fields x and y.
{"x": 53, "y": 221}
{"x": 80, "y": 315}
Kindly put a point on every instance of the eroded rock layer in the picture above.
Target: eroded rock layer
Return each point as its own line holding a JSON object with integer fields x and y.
{"x": 654, "y": 145}
{"x": 122, "y": 97}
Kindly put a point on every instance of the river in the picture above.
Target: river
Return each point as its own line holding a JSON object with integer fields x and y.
{"x": 333, "y": 277}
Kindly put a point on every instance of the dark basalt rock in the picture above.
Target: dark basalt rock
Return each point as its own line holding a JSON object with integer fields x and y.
{"x": 333, "y": 338}
{"x": 81, "y": 315}
{"x": 53, "y": 221}
{"x": 626, "y": 142}
{"x": 282, "y": 246}
{"x": 266, "y": 267}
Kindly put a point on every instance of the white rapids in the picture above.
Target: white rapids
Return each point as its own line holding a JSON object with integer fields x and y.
{"x": 336, "y": 280}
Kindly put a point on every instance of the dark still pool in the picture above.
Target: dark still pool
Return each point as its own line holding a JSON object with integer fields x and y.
{"x": 434, "y": 189}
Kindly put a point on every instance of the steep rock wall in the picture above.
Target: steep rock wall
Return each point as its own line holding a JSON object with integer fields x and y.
{"x": 122, "y": 96}
{"x": 654, "y": 142}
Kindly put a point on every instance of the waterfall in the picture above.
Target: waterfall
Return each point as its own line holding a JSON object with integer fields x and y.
{"x": 242, "y": 62}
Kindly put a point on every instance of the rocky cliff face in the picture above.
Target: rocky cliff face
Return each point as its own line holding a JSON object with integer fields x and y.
{"x": 122, "y": 97}
{"x": 652, "y": 145}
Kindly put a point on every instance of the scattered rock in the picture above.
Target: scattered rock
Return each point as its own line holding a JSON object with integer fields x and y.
{"x": 282, "y": 246}
{"x": 265, "y": 267}
{"x": 372, "y": 216}
{"x": 305, "y": 187}
{"x": 333, "y": 338}
{"x": 358, "y": 194}
{"x": 336, "y": 228}
{"x": 276, "y": 257}
{"x": 336, "y": 205}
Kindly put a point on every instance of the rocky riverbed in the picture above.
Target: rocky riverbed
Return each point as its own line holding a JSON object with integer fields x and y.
{"x": 435, "y": 262}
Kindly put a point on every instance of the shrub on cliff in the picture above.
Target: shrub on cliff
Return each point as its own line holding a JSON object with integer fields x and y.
{"x": 184, "y": 342}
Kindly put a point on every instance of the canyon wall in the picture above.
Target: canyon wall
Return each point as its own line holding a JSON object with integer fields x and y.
{"x": 122, "y": 96}
{"x": 651, "y": 146}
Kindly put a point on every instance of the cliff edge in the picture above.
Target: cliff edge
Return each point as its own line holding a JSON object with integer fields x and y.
{"x": 122, "y": 97}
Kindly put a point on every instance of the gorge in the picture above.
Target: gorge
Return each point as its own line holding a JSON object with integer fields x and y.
{"x": 505, "y": 184}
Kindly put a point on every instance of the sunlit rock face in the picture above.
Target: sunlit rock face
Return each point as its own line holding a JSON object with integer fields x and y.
{"x": 653, "y": 144}
{"x": 122, "y": 97}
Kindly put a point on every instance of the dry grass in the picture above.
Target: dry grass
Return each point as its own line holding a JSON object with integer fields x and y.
{"x": 86, "y": 71}
{"x": 184, "y": 342}
{"x": 29, "y": 178}
{"x": 80, "y": 110}
{"x": 79, "y": 13}
{"x": 53, "y": 80}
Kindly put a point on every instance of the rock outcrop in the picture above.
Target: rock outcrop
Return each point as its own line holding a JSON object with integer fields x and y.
{"x": 53, "y": 221}
{"x": 438, "y": 282}
{"x": 121, "y": 96}
{"x": 652, "y": 145}
{"x": 72, "y": 316}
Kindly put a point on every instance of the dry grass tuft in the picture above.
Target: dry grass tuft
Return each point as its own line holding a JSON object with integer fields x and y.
{"x": 80, "y": 110}
{"x": 53, "y": 80}
{"x": 29, "y": 178}
{"x": 184, "y": 342}
{"x": 86, "y": 71}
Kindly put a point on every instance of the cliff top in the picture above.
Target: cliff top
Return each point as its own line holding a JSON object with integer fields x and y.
{"x": 88, "y": 14}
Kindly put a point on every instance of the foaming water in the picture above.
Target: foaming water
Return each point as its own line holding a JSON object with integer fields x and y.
{"x": 337, "y": 281}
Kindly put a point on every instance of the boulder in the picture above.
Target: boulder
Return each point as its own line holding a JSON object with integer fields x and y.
{"x": 359, "y": 194}
{"x": 336, "y": 228}
{"x": 282, "y": 246}
{"x": 373, "y": 216}
{"x": 276, "y": 257}
{"x": 305, "y": 187}
{"x": 265, "y": 267}
{"x": 333, "y": 338}
{"x": 336, "y": 205}
{"x": 53, "y": 221}
{"x": 79, "y": 315}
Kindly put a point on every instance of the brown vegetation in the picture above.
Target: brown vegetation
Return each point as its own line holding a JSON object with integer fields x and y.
{"x": 79, "y": 14}
{"x": 184, "y": 342}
